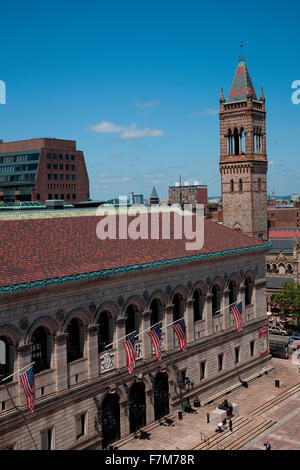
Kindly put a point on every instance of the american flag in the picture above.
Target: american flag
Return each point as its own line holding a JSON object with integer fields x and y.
{"x": 180, "y": 331}
{"x": 236, "y": 311}
{"x": 27, "y": 381}
{"x": 129, "y": 348}
{"x": 155, "y": 336}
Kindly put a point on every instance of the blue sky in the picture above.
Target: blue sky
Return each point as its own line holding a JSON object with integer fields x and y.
{"x": 137, "y": 85}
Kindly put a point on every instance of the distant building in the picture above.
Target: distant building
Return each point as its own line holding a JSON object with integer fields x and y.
{"x": 154, "y": 199}
{"x": 41, "y": 169}
{"x": 189, "y": 194}
{"x": 136, "y": 198}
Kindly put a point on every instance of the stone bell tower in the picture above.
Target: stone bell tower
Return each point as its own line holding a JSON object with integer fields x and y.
{"x": 243, "y": 157}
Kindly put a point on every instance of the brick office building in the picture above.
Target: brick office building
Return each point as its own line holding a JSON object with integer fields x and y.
{"x": 189, "y": 194}
{"x": 243, "y": 159}
{"x": 41, "y": 169}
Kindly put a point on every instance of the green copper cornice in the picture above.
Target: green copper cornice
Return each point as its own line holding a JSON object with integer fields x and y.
{"x": 114, "y": 271}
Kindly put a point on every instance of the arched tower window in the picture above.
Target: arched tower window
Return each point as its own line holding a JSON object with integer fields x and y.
{"x": 74, "y": 344}
{"x": 231, "y": 186}
{"x": 240, "y": 185}
{"x": 243, "y": 143}
{"x": 39, "y": 351}
{"x": 259, "y": 185}
{"x": 229, "y": 143}
{"x": 236, "y": 142}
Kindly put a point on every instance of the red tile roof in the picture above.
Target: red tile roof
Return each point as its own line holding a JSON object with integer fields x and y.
{"x": 40, "y": 249}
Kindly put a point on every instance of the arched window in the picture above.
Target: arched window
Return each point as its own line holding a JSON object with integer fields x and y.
{"x": 240, "y": 185}
{"x": 4, "y": 357}
{"x": 243, "y": 145}
{"x": 281, "y": 269}
{"x": 74, "y": 346}
{"x": 154, "y": 307}
{"x": 233, "y": 290}
{"x": 216, "y": 299}
{"x": 289, "y": 269}
{"x": 268, "y": 268}
{"x": 130, "y": 323}
{"x": 39, "y": 351}
{"x": 259, "y": 185}
{"x": 274, "y": 269}
{"x": 236, "y": 142}
{"x": 105, "y": 331}
{"x": 248, "y": 291}
{"x": 177, "y": 309}
{"x": 229, "y": 143}
{"x": 198, "y": 305}
{"x": 231, "y": 186}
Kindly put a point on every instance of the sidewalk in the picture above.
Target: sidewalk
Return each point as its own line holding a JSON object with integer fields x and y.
{"x": 266, "y": 412}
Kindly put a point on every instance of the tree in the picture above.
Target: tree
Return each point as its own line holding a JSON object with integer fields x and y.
{"x": 289, "y": 300}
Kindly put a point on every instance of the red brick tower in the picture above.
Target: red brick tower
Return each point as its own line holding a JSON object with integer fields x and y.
{"x": 243, "y": 158}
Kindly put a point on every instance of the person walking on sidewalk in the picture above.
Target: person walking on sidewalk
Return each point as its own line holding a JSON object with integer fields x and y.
{"x": 268, "y": 445}
{"x": 230, "y": 425}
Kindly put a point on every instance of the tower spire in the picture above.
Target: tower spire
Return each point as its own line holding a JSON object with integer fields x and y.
{"x": 242, "y": 56}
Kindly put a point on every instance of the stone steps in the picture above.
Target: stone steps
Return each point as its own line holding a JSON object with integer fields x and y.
{"x": 216, "y": 438}
{"x": 244, "y": 430}
{"x": 275, "y": 401}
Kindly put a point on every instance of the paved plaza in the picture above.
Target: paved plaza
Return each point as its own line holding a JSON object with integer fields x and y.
{"x": 266, "y": 413}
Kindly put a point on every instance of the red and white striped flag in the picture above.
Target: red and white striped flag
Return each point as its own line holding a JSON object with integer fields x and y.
{"x": 180, "y": 331}
{"x": 236, "y": 311}
{"x": 155, "y": 336}
{"x": 129, "y": 348}
{"x": 27, "y": 381}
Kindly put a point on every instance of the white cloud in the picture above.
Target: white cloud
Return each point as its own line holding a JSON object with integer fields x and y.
{"x": 149, "y": 104}
{"x": 131, "y": 132}
{"x": 208, "y": 112}
{"x": 106, "y": 127}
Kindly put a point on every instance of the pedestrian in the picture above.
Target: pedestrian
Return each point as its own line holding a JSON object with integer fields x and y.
{"x": 230, "y": 425}
{"x": 267, "y": 445}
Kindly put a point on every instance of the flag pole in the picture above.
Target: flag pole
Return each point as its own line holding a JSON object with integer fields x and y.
{"x": 15, "y": 406}
{"x": 17, "y": 372}
{"x": 163, "y": 327}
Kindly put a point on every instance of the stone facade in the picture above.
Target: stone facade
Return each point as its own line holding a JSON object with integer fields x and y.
{"x": 72, "y": 392}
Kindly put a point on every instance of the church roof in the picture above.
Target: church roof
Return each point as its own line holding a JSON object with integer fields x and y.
{"x": 37, "y": 252}
{"x": 242, "y": 84}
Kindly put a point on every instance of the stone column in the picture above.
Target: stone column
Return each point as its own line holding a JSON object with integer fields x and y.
{"x": 147, "y": 345}
{"x": 92, "y": 351}
{"x": 226, "y": 311}
{"x": 208, "y": 314}
{"x": 168, "y": 332}
{"x": 61, "y": 364}
{"x": 189, "y": 320}
{"x": 149, "y": 406}
{"x": 24, "y": 359}
{"x": 124, "y": 419}
{"x": 120, "y": 354}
